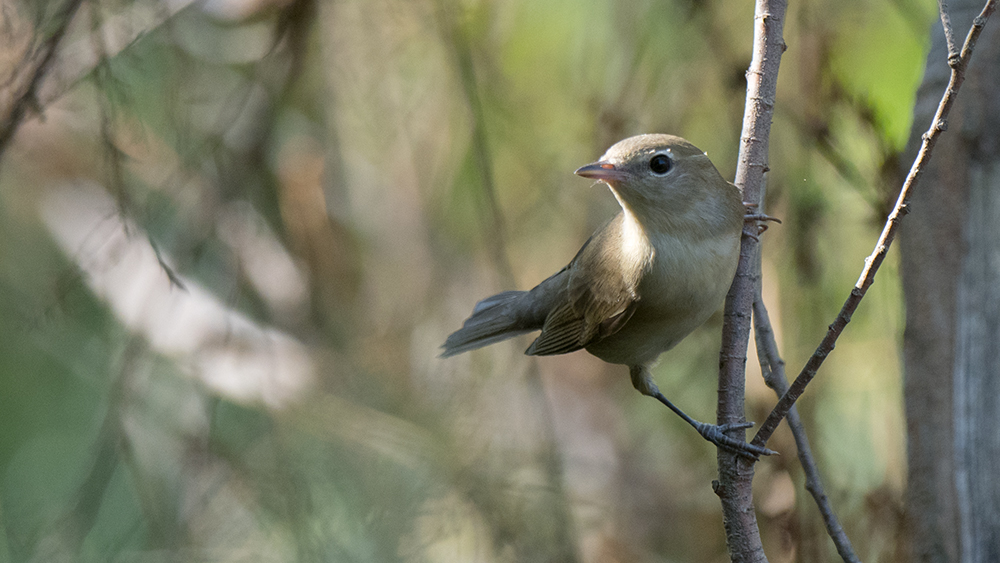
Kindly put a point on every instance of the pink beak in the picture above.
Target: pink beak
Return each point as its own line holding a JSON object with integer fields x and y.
{"x": 600, "y": 171}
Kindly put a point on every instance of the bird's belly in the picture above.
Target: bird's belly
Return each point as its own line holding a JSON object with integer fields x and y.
{"x": 648, "y": 334}
{"x": 670, "y": 308}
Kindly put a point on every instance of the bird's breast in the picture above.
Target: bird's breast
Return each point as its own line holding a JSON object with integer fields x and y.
{"x": 690, "y": 274}
{"x": 681, "y": 288}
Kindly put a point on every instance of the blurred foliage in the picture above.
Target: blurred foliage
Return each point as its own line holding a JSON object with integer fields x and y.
{"x": 229, "y": 254}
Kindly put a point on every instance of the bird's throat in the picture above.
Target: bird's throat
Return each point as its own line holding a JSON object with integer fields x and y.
{"x": 636, "y": 249}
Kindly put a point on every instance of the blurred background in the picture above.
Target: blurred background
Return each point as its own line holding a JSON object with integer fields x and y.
{"x": 230, "y": 251}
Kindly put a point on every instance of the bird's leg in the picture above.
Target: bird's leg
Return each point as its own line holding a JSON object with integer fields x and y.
{"x": 642, "y": 380}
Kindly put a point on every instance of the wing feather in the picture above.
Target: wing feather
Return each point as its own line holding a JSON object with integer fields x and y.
{"x": 597, "y": 305}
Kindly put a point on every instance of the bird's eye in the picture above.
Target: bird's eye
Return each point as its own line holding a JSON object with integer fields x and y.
{"x": 660, "y": 164}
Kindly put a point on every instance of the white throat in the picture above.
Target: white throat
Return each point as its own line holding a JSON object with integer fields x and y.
{"x": 636, "y": 245}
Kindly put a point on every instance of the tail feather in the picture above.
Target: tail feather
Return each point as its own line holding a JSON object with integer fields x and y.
{"x": 493, "y": 319}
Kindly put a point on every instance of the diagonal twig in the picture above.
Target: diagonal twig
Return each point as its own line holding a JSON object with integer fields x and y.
{"x": 23, "y": 86}
{"x": 938, "y": 125}
{"x": 52, "y": 68}
{"x": 76, "y": 60}
{"x": 773, "y": 369}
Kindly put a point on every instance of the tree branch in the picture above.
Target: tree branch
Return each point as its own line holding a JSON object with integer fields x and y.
{"x": 22, "y": 86}
{"x": 77, "y": 60}
{"x": 773, "y": 369}
{"x": 938, "y": 125}
{"x": 735, "y": 474}
{"x": 949, "y": 34}
{"x": 50, "y": 69}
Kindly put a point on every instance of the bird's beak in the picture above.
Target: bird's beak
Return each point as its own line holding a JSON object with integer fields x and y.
{"x": 600, "y": 171}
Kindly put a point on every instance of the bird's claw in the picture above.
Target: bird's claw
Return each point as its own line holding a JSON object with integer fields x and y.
{"x": 753, "y": 218}
{"x": 717, "y": 435}
{"x": 754, "y": 236}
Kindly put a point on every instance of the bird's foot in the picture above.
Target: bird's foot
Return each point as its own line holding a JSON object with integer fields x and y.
{"x": 642, "y": 379}
{"x": 753, "y": 221}
{"x": 717, "y": 435}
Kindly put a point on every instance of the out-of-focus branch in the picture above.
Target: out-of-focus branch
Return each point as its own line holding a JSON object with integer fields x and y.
{"x": 494, "y": 231}
{"x": 21, "y": 87}
{"x": 938, "y": 125}
{"x": 773, "y": 369}
{"x": 49, "y": 69}
{"x": 734, "y": 486}
{"x": 80, "y": 58}
{"x": 496, "y": 237}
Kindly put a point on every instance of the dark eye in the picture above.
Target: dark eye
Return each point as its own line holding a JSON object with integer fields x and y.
{"x": 660, "y": 164}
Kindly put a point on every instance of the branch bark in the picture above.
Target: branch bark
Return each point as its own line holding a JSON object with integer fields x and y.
{"x": 949, "y": 34}
{"x": 735, "y": 473}
{"x": 938, "y": 125}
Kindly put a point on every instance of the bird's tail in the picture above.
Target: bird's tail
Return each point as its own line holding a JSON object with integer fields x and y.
{"x": 493, "y": 319}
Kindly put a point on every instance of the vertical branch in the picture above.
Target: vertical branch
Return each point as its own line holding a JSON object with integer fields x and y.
{"x": 735, "y": 474}
{"x": 107, "y": 89}
{"x": 496, "y": 237}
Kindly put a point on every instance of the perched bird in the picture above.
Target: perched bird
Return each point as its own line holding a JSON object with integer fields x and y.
{"x": 641, "y": 283}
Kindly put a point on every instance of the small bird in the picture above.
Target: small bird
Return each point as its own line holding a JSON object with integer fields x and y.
{"x": 643, "y": 281}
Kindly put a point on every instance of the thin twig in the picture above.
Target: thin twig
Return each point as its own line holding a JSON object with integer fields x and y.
{"x": 104, "y": 94}
{"x": 872, "y": 263}
{"x": 949, "y": 33}
{"x": 734, "y": 486}
{"x": 773, "y": 369}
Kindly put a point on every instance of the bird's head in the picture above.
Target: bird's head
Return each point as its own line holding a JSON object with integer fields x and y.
{"x": 667, "y": 183}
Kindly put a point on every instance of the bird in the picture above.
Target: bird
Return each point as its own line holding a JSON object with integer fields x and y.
{"x": 644, "y": 281}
